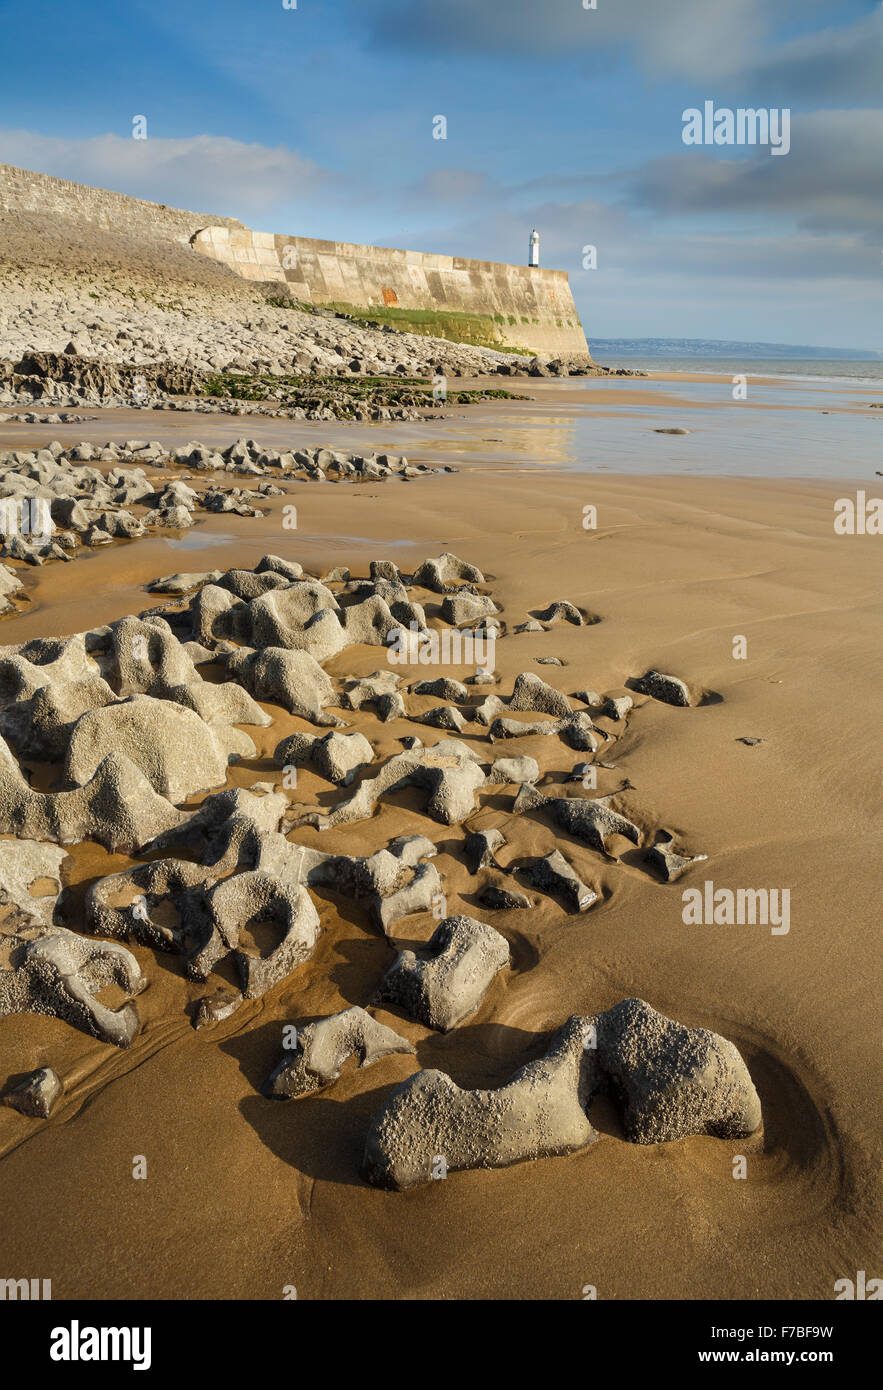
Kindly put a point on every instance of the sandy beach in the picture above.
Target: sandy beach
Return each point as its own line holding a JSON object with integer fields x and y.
{"x": 245, "y": 1196}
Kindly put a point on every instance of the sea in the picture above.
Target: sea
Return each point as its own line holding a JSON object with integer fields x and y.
{"x": 811, "y": 368}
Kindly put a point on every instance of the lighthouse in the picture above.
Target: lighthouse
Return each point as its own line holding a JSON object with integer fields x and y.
{"x": 533, "y": 253}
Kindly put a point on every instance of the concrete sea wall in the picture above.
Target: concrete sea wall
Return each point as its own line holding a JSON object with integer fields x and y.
{"x": 506, "y": 306}
{"x": 24, "y": 191}
{"x": 518, "y": 305}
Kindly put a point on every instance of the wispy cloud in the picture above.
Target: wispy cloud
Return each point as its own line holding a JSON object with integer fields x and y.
{"x": 204, "y": 172}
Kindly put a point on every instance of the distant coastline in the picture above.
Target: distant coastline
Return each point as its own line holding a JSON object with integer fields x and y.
{"x": 704, "y": 348}
{"x": 843, "y": 370}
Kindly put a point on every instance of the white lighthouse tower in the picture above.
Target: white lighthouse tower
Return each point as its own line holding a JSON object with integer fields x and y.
{"x": 533, "y": 255}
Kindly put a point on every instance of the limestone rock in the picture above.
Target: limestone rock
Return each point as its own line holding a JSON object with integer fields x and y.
{"x": 667, "y": 1081}
{"x": 124, "y": 905}
{"x": 449, "y": 771}
{"x": 670, "y": 1081}
{"x": 30, "y": 880}
{"x": 41, "y": 726}
{"x": 221, "y": 1004}
{"x": 145, "y": 658}
{"x": 465, "y": 607}
{"x": 323, "y": 1047}
{"x": 117, "y": 807}
{"x": 587, "y": 820}
{"x": 532, "y": 693}
{"x": 219, "y": 704}
{"x": 517, "y": 770}
{"x": 491, "y": 708}
{"x": 293, "y": 679}
{"x": 447, "y": 980}
{"x": 60, "y": 973}
{"x": 36, "y": 1095}
{"x": 500, "y": 897}
{"x": 183, "y": 583}
{"x": 562, "y": 611}
{"x": 443, "y": 717}
{"x": 439, "y": 575}
{"x": 481, "y": 847}
{"x": 370, "y": 689}
{"x": 257, "y": 895}
{"x": 553, "y": 874}
{"x": 664, "y": 858}
{"x": 670, "y": 689}
{"x": 619, "y": 707}
{"x": 537, "y": 1114}
{"x": 262, "y": 806}
{"x": 336, "y": 756}
{"x": 577, "y": 730}
{"x": 177, "y": 751}
{"x": 262, "y": 884}
{"x": 442, "y": 689}
{"x": 43, "y": 661}
{"x": 394, "y": 882}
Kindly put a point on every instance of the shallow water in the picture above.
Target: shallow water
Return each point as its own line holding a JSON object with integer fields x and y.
{"x": 786, "y": 428}
{"x": 197, "y": 540}
{"x": 779, "y": 432}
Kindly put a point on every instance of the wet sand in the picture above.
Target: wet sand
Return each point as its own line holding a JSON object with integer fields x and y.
{"x": 244, "y": 1196}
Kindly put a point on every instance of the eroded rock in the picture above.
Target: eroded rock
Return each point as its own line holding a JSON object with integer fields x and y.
{"x": 667, "y": 1081}
{"x": 337, "y": 757}
{"x": 30, "y": 880}
{"x": 117, "y": 806}
{"x": 540, "y": 1112}
{"x": 59, "y": 973}
{"x": 577, "y": 730}
{"x": 670, "y": 689}
{"x": 449, "y": 771}
{"x": 481, "y": 847}
{"x": 440, "y": 574}
{"x": 592, "y": 821}
{"x": 393, "y": 882}
{"x": 446, "y": 981}
{"x": 553, "y": 874}
{"x": 562, "y": 611}
{"x": 36, "y": 1095}
{"x": 323, "y": 1047}
{"x": 670, "y": 1081}
{"x": 177, "y": 751}
{"x": 668, "y": 862}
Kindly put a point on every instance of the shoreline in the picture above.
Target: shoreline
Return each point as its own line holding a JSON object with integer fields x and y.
{"x": 677, "y": 567}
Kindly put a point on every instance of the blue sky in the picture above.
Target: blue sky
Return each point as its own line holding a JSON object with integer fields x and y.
{"x": 318, "y": 121}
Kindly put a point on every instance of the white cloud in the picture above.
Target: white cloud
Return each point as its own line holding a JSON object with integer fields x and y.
{"x": 208, "y": 173}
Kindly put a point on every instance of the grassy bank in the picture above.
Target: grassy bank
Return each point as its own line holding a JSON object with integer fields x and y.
{"x": 477, "y": 330}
